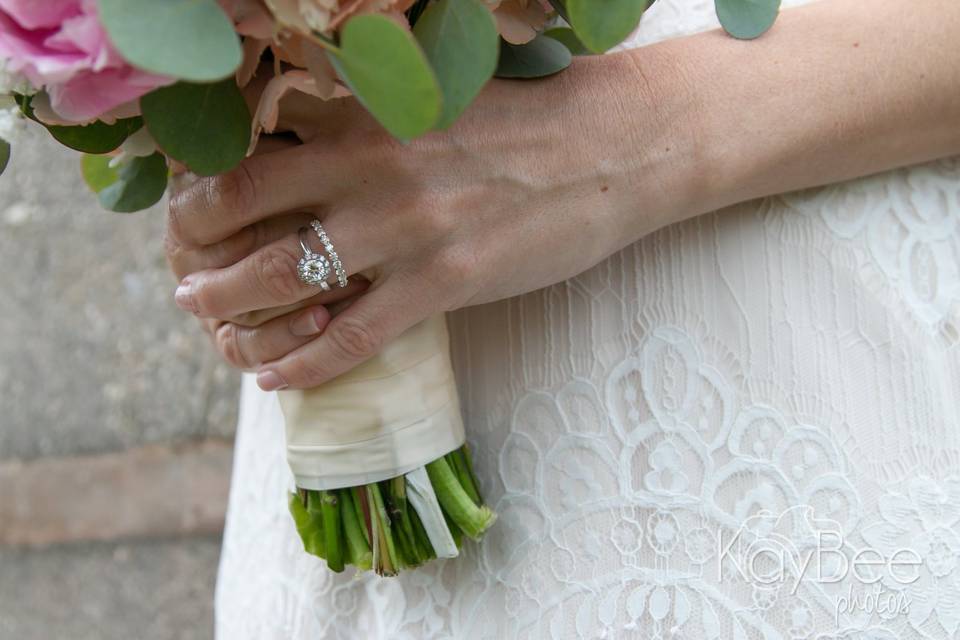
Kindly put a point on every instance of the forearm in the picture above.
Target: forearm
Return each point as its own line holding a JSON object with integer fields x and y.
{"x": 837, "y": 89}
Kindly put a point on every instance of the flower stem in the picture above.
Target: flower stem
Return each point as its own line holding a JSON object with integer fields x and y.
{"x": 459, "y": 465}
{"x": 398, "y": 496}
{"x": 358, "y": 550}
{"x": 333, "y": 533}
{"x": 472, "y": 519}
{"x": 388, "y": 552}
{"x": 363, "y": 513}
{"x": 421, "y": 538}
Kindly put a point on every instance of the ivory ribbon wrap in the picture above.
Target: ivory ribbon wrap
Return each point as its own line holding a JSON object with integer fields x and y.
{"x": 385, "y": 418}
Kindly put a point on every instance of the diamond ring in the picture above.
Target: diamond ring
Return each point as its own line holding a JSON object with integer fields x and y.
{"x": 313, "y": 268}
{"x": 328, "y": 247}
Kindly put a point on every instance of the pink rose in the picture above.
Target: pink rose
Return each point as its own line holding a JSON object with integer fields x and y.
{"x": 60, "y": 46}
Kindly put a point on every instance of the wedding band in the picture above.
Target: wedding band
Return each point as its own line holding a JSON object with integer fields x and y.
{"x": 328, "y": 247}
{"x": 313, "y": 268}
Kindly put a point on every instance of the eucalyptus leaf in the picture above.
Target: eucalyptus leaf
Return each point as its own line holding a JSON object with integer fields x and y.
{"x": 389, "y": 74}
{"x": 204, "y": 126}
{"x": 97, "y": 172}
{"x": 540, "y": 57}
{"x": 747, "y": 19}
{"x": 140, "y": 184}
{"x": 96, "y": 137}
{"x": 186, "y": 39}
{"x": 4, "y": 155}
{"x": 602, "y": 24}
{"x": 459, "y": 38}
{"x": 569, "y": 38}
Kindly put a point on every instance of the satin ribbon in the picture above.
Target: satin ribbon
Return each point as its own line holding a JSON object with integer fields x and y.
{"x": 385, "y": 418}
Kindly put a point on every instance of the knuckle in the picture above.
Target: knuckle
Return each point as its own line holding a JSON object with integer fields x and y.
{"x": 276, "y": 269}
{"x": 176, "y": 213}
{"x": 437, "y": 222}
{"x": 309, "y": 372}
{"x": 174, "y": 252}
{"x": 354, "y": 339}
{"x": 231, "y": 192}
{"x": 453, "y": 266}
{"x": 229, "y": 343}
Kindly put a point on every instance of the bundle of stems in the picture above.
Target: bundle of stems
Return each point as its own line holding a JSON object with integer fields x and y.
{"x": 375, "y": 527}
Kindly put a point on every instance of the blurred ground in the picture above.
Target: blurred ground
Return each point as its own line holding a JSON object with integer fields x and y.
{"x": 149, "y": 590}
{"x": 95, "y": 357}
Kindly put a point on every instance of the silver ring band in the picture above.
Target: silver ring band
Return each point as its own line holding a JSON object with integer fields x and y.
{"x": 328, "y": 247}
{"x": 313, "y": 268}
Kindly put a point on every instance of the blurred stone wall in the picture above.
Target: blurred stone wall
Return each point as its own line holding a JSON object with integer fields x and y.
{"x": 94, "y": 355}
{"x": 94, "y": 358}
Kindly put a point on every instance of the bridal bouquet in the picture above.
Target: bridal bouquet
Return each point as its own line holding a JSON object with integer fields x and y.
{"x": 147, "y": 88}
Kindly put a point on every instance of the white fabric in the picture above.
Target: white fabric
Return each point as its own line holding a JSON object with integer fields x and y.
{"x": 797, "y": 351}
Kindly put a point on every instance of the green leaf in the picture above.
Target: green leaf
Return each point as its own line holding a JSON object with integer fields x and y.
{"x": 307, "y": 526}
{"x": 747, "y": 19}
{"x": 389, "y": 74}
{"x": 97, "y": 172}
{"x": 569, "y": 38}
{"x": 139, "y": 184}
{"x": 4, "y": 155}
{"x": 186, "y": 39}
{"x": 540, "y": 57}
{"x": 96, "y": 137}
{"x": 459, "y": 38}
{"x": 204, "y": 126}
{"x": 602, "y": 24}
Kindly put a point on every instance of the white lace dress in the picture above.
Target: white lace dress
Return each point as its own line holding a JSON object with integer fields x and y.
{"x": 788, "y": 365}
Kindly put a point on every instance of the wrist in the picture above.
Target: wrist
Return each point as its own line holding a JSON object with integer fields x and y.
{"x": 653, "y": 157}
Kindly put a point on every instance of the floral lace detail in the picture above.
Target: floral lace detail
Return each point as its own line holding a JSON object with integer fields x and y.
{"x": 781, "y": 373}
{"x": 906, "y": 221}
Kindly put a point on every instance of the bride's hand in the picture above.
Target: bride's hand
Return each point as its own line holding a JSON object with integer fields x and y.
{"x": 535, "y": 184}
{"x": 540, "y": 180}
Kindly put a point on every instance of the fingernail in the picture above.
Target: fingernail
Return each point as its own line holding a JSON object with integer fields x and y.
{"x": 184, "y": 297}
{"x": 270, "y": 381}
{"x": 310, "y": 322}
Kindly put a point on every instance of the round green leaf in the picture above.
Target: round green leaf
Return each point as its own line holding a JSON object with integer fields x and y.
{"x": 96, "y": 137}
{"x": 540, "y": 57}
{"x": 186, "y": 39}
{"x": 747, "y": 19}
{"x": 204, "y": 126}
{"x": 389, "y": 74}
{"x": 459, "y": 38}
{"x": 140, "y": 184}
{"x": 602, "y": 24}
{"x": 97, "y": 172}
{"x": 569, "y": 38}
{"x": 4, "y": 155}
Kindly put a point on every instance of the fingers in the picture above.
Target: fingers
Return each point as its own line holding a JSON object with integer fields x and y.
{"x": 184, "y": 261}
{"x": 268, "y": 277}
{"x": 212, "y": 209}
{"x": 247, "y": 347}
{"x": 354, "y": 335}
{"x": 330, "y": 299}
